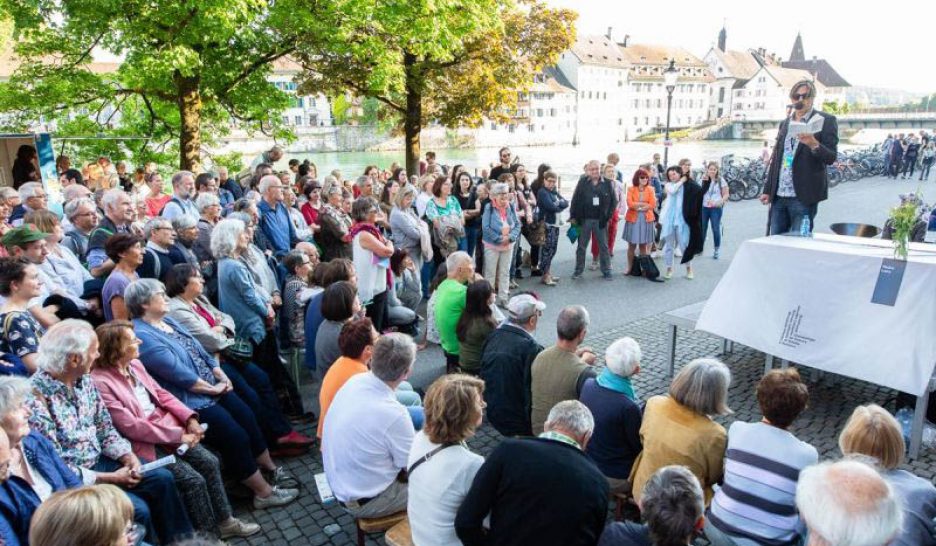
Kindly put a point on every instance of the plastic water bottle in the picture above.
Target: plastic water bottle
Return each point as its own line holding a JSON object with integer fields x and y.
{"x": 804, "y": 230}
{"x": 905, "y": 417}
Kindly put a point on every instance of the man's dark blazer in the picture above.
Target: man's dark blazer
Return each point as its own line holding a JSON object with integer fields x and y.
{"x": 810, "y": 179}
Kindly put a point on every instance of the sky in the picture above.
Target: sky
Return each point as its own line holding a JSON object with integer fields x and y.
{"x": 851, "y": 35}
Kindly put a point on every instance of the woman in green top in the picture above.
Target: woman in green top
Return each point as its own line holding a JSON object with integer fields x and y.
{"x": 476, "y": 322}
{"x": 447, "y": 219}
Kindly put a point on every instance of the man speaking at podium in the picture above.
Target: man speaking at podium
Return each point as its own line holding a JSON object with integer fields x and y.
{"x": 807, "y": 141}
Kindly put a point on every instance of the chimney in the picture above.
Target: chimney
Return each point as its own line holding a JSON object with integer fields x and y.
{"x": 609, "y": 32}
{"x": 626, "y": 39}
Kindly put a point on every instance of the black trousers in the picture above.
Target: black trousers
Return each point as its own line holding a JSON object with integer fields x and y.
{"x": 266, "y": 355}
{"x": 377, "y": 311}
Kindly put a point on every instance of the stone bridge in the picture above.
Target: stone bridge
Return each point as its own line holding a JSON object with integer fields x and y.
{"x": 853, "y": 122}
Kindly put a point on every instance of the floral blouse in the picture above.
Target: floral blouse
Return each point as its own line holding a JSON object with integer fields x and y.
{"x": 76, "y": 421}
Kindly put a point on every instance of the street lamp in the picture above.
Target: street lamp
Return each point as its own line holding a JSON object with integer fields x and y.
{"x": 670, "y": 75}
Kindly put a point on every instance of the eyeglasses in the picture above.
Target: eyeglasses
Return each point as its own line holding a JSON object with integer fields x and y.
{"x": 799, "y": 96}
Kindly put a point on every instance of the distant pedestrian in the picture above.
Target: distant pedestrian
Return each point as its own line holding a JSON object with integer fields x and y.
{"x": 910, "y": 156}
{"x": 641, "y": 216}
{"x": 714, "y": 197}
{"x": 929, "y": 156}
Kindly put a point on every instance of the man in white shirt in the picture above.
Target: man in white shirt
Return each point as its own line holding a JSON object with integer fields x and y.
{"x": 367, "y": 434}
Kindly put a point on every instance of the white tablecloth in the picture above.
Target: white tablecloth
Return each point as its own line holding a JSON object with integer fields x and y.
{"x": 808, "y": 300}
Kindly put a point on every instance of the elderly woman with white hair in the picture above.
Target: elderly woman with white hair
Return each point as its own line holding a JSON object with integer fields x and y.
{"x": 209, "y": 209}
{"x": 242, "y": 295}
{"x": 33, "y": 478}
{"x": 500, "y": 229}
{"x": 182, "y": 366}
{"x": 186, "y": 230}
{"x": 66, "y": 408}
{"x": 678, "y": 428}
{"x": 408, "y": 231}
{"x": 615, "y": 443}
{"x": 334, "y": 237}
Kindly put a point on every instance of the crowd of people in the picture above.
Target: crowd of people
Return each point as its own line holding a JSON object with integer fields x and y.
{"x": 143, "y": 321}
{"x": 903, "y": 153}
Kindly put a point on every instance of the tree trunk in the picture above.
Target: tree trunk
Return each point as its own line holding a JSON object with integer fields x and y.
{"x": 190, "y": 106}
{"x": 412, "y": 120}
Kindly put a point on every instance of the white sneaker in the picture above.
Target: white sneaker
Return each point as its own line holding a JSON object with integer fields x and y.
{"x": 279, "y": 497}
{"x": 677, "y": 252}
{"x": 237, "y": 528}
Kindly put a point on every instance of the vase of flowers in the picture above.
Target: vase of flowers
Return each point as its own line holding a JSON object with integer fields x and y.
{"x": 902, "y": 219}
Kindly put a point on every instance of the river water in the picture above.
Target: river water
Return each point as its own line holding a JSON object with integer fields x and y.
{"x": 567, "y": 160}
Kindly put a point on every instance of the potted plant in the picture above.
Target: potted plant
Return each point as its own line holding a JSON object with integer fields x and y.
{"x": 902, "y": 219}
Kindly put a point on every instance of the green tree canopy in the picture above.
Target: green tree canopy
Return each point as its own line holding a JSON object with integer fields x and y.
{"x": 450, "y": 61}
{"x": 187, "y": 68}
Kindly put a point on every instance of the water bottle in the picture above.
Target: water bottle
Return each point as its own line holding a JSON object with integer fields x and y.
{"x": 905, "y": 419}
{"x": 804, "y": 227}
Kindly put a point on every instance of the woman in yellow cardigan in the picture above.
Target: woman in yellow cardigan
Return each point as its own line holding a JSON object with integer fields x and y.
{"x": 639, "y": 219}
{"x": 678, "y": 429}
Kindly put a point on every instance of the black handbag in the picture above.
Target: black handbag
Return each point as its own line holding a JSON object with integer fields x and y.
{"x": 239, "y": 353}
{"x": 645, "y": 267}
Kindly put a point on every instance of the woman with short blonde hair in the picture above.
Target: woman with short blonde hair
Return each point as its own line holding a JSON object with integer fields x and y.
{"x": 873, "y": 432}
{"x": 101, "y": 515}
{"x": 441, "y": 467}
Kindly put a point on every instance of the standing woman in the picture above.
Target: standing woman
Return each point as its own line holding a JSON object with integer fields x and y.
{"x": 550, "y": 205}
{"x": 467, "y": 200}
{"x": 500, "y": 229}
{"x": 928, "y": 153}
{"x": 333, "y": 237}
{"x": 390, "y": 189}
{"x": 715, "y": 195}
{"x": 445, "y": 213}
{"x": 312, "y": 207}
{"x": 251, "y": 307}
{"x": 681, "y": 220}
{"x": 371, "y": 251}
{"x": 407, "y": 230}
{"x": 25, "y": 167}
{"x": 608, "y": 171}
{"x": 640, "y": 218}
{"x": 526, "y": 203}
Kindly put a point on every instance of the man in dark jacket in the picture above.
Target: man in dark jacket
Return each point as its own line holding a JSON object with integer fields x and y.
{"x": 541, "y": 490}
{"x": 797, "y": 180}
{"x": 593, "y": 203}
{"x": 506, "y": 358}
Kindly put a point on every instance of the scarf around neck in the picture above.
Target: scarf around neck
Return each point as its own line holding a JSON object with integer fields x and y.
{"x": 616, "y": 383}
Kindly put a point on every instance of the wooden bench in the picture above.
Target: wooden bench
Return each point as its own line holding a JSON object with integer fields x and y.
{"x": 400, "y": 534}
{"x": 366, "y": 526}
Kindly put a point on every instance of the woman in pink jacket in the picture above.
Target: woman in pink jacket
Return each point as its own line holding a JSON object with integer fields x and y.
{"x": 157, "y": 424}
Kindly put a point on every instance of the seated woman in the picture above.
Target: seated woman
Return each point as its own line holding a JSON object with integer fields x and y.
{"x": 340, "y": 305}
{"x": 406, "y": 279}
{"x": 67, "y": 409}
{"x": 441, "y": 467}
{"x": 250, "y": 301}
{"x": 615, "y": 443}
{"x": 31, "y": 480}
{"x": 326, "y": 274}
{"x": 185, "y": 369}
{"x": 216, "y": 332}
{"x": 356, "y": 342}
{"x": 20, "y": 334}
{"x": 678, "y": 429}
{"x": 62, "y": 271}
{"x": 474, "y": 325}
{"x": 873, "y": 432}
{"x": 156, "y": 424}
{"x": 400, "y": 314}
{"x": 762, "y": 467}
{"x": 100, "y": 514}
{"x": 126, "y": 251}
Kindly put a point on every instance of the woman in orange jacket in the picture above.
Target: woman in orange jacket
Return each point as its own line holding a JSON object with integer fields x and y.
{"x": 640, "y": 218}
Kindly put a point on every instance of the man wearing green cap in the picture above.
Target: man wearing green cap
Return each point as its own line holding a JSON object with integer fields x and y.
{"x": 28, "y": 242}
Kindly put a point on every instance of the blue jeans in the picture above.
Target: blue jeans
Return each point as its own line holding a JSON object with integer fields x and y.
{"x": 425, "y": 276}
{"x": 156, "y": 503}
{"x": 712, "y": 215}
{"x": 471, "y": 239}
{"x": 253, "y": 386}
{"x": 786, "y": 215}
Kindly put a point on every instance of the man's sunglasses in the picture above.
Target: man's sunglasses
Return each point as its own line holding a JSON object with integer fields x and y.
{"x": 800, "y": 96}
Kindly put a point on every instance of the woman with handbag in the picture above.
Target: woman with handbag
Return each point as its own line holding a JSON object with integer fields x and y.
{"x": 215, "y": 331}
{"x": 640, "y": 218}
{"x": 445, "y": 213}
{"x": 550, "y": 205}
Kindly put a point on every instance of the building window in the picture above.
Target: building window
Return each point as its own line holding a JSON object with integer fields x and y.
{"x": 605, "y": 95}
{"x": 493, "y": 126}
{"x": 636, "y": 103}
{"x": 647, "y": 103}
{"x": 635, "y": 122}
{"x": 721, "y": 95}
{"x": 531, "y": 128}
{"x": 298, "y": 120}
{"x": 659, "y": 103}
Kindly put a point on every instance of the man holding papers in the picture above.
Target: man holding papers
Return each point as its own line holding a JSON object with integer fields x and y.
{"x": 807, "y": 142}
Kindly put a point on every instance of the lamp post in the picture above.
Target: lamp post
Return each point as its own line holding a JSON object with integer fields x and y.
{"x": 670, "y": 75}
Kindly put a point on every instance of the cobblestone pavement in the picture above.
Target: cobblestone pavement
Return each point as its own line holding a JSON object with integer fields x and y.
{"x": 832, "y": 399}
